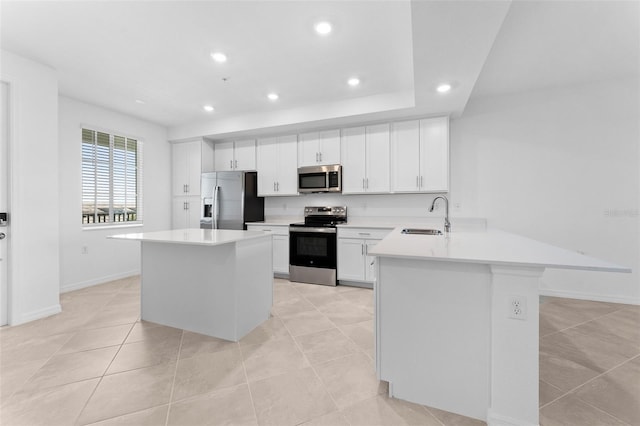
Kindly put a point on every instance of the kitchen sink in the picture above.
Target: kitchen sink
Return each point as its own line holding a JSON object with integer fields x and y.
{"x": 419, "y": 231}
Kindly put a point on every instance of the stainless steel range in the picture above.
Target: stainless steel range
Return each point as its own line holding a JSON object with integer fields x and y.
{"x": 313, "y": 245}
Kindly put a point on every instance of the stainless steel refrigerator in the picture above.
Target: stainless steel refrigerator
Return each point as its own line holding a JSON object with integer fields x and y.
{"x": 229, "y": 200}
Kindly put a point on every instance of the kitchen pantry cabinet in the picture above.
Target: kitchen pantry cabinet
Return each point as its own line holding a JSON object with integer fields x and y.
{"x": 354, "y": 262}
{"x": 277, "y": 166}
{"x": 186, "y": 161}
{"x": 365, "y": 159}
{"x": 232, "y": 156}
{"x": 420, "y": 155}
{"x": 319, "y": 148}
{"x": 280, "y": 245}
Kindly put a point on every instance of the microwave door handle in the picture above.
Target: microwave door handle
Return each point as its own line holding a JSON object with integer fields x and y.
{"x": 215, "y": 206}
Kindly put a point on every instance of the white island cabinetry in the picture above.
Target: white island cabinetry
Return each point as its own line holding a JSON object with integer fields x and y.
{"x": 446, "y": 333}
{"x": 354, "y": 262}
{"x": 208, "y": 281}
{"x": 280, "y": 238}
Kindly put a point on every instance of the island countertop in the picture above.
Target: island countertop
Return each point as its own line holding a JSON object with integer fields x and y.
{"x": 206, "y": 237}
{"x": 492, "y": 246}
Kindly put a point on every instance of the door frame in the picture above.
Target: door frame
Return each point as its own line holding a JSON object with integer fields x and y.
{"x": 12, "y": 90}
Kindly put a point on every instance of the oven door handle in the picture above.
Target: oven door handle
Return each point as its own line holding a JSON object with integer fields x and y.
{"x": 312, "y": 229}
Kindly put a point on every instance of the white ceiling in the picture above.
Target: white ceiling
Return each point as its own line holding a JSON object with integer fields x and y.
{"x": 112, "y": 53}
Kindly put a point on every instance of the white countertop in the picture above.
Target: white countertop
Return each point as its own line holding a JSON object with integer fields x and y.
{"x": 207, "y": 237}
{"x": 492, "y": 246}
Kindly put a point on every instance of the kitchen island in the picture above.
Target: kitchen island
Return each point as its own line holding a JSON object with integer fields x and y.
{"x": 456, "y": 320}
{"x": 213, "y": 282}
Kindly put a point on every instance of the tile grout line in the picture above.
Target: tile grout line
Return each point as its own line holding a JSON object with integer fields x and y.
{"x": 246, "y": 377}
{"x": 324, "y": 387}
{"x": 582, "y": 323}
{"x": 103, "y": 374}
{"x": 587, "y": 382}
{"x": 173, "y": 382}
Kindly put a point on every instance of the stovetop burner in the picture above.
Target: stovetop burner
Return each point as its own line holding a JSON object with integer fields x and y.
{"x": 323, "y": 217}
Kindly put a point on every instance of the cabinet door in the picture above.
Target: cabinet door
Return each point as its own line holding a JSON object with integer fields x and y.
{"x": 350, "y": 259}
{"x": 329, "y": 147}
{"x": 405, "y": 155}
{"x": 179, "y": 213}
{"x": 223, "y": 156}
{"x": 179, "y": 171}
{"x": 377, "y": 158}
{"x": 193, "y": 212}
{"x": 194, "y": 167}
{"x": 369, "y": 261}
{"x": 353, "y": 160}
{"x": 245, "y": 155}
{"x": 287, "y": 170}
{"x": 308, "y": 152}
{"x": 281, "y": 254}
{"x": 434, "y": 154}
{"x": 266, "y": 165}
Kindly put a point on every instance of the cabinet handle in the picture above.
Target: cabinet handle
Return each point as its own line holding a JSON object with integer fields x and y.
{"x": 320, "y": 155}
{"x": 231, "y": 164}
{"x": 235, "y": 164}
{"x": 367, "y": 180}
{"x": 184, "y": 188}
{"x": 278, "y": 186}
{"x": 362, "y": 183}
{"x": 274, "y": 186}
{"x": 362, "y": 249}
{"x": 421, "y": 184}
{"x": 188, "y": 188}
{"x": 187, "y": 203}
{"x": 364, "y": 233}
{"x": 316, "y": 157}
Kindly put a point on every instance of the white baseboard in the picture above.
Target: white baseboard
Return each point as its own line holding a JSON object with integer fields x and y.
{"x": 64, "y": 288}
{"x": 588, "y": 296}
{"x": 495, "y": 419}
{"x": 40, "y": 313}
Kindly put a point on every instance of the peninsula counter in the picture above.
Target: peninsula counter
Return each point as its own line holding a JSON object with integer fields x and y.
{"x": 456, "y": 320}
{"x": 213, "y": 282}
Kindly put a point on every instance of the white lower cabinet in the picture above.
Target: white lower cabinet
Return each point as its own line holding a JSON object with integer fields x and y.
{"x": 186, "y": 212}
{"x": 354, "y": 262}
{"x": 280, "y": 245}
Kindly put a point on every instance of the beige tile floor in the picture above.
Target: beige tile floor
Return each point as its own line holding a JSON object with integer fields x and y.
{"x": 310, "y": 364}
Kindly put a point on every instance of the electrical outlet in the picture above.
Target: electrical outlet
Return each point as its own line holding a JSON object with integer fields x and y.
{"x": 84, "y": 250}
{"x": 518, "y": 307}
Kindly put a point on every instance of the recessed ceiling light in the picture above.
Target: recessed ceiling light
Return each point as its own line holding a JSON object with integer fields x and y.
{"x": 443, "y": 88}
{"x": 219, "y": 57}
{"x": 353, "y": 81}
{"x": 273, "y": 96}
{"x": 138, "y": 101}
{"x": 208, "y": 108}
{"x": 323, "y": 28}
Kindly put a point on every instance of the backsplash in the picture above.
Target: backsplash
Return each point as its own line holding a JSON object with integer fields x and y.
{"x": 383, "y": 205}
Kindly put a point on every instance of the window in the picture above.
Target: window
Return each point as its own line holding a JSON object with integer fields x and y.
{"x": 111, "y": 178}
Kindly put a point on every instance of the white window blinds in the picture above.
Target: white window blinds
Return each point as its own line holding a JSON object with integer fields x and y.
{"x": 111, "y": 178}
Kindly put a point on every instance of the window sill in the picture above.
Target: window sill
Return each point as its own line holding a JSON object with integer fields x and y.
{"x": 111, "y": 226}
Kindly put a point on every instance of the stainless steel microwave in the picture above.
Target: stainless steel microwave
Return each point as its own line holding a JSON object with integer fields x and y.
{"x": 320, "y": 179}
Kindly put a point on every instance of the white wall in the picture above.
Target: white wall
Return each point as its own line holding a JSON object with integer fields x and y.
{"x": 33, "y": 152}
{"x": 560, "y": 166}
{"x": 106, "y": 259}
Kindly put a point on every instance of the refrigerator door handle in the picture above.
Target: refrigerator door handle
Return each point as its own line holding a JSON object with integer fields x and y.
{"x": 215, "y": 206}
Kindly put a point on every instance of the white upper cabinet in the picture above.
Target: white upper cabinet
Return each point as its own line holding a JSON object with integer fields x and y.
{"x": 319, "y": 148}
{"x": 231, "y": 156}
{"x": 420, "y": 155}
{"x": 277, "y": 166}
{"x": 186, "y": 161}
{"x": 365, "y": 159}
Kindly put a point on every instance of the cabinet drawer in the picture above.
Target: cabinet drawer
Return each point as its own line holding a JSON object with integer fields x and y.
{"x": 364, "y": 233}
{"x": 275, "y": 230}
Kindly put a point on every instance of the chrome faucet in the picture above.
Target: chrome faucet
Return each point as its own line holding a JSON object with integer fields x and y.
{"x": 447, "y": 224}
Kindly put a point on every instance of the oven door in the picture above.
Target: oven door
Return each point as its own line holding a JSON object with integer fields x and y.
{"x": 313, "y": 247}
